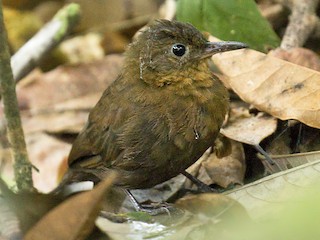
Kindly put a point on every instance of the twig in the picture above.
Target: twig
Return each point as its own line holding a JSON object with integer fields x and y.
{"x": 302, "y": 23}
{"x": 45, "y": 40}
{"x": 22, "y": 166}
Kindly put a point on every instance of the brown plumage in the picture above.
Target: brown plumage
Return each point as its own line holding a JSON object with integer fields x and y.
{"x": 160, "y": 115}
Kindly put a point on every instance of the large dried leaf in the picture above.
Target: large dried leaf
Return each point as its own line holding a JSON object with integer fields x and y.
{"x": 72, "y": 219}
{"x": 282, "y": 89}
{"x": 266, "y": 197}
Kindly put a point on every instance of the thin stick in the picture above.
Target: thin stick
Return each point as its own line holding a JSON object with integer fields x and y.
{"x": 44, "y": 41}
{"x": 22, "y": 166}
{"x": 303, "y": 22}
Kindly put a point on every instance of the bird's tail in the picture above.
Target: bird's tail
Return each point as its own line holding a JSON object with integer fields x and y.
{"x": 75, "y": 181}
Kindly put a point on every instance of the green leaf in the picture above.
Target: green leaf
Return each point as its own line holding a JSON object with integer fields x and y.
{"x": 237, "y": 20}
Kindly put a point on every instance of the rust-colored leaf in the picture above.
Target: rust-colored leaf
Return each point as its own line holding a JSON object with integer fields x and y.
{"x": 72, "y": 219}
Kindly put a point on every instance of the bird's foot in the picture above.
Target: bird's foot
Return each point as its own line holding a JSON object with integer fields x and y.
{"x": 152, "y": 209}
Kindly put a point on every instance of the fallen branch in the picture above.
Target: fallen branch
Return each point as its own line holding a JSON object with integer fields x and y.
{"x": 44, "y": 41}
{"x": 303, "y": 22}
{"x": 22, "y": 63}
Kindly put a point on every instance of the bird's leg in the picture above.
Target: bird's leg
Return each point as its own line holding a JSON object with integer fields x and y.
{"x": 152, "y": 210}
{"x": 201, "y": 185}
{"x": 134, "y": 201}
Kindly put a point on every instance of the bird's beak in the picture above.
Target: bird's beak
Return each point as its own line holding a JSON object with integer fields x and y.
{"x": 219, "y": 47}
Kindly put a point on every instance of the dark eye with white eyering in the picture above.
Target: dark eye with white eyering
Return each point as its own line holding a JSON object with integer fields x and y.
{"x": 178, "y": 49}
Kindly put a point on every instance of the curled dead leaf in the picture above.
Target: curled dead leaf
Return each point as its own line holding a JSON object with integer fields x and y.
{"x": 72, "y": 219}
{"x": 221, "y": 170}
{"x": 228, "y": 170}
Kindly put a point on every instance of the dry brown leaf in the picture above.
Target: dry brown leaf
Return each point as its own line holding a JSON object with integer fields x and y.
{"x": 282, "y": 89}
{"x": 66, "y": 117}
{"x": 72, "y": 219}
{"x": 68, "y": 82}
{"x": 227, "y": 170}
{"x": 224, "y": 171}
{"x": 246, "y": 128}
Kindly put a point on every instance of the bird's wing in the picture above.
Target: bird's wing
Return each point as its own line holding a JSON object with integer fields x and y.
{"x": 125, "y": 130}
{"x": 99, "y": 136}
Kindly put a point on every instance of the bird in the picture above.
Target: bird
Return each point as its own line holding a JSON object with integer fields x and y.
{"x": 159, "y": 116}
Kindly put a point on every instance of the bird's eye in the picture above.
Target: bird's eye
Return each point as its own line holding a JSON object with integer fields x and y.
{"x": 178, "y": 49}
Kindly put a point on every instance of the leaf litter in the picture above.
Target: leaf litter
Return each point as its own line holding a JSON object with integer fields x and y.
{"x": 281, "y": 90}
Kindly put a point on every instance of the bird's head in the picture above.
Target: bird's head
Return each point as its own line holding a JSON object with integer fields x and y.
{"x": 166, "y": 47}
